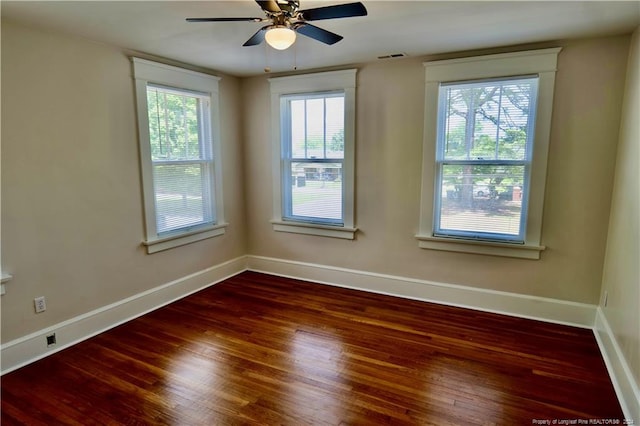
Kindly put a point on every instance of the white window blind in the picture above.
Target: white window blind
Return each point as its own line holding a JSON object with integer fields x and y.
{"x": 483, "y": 157}
{"x": 313, "y": 155}
{"x": 181, "y": 158}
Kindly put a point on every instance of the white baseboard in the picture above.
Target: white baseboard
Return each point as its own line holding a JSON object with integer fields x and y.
{"x": 30, "y": 348}
{"x": 524, "y": 306}
{"x": 623, "y": 381}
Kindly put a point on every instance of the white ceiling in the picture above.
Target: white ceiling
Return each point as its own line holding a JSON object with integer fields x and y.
{"x": 415, "y": 28}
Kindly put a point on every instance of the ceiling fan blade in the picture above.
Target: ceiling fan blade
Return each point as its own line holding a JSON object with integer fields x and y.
{"x": 269, "y": 5}
{"x": 224, "y": 19}
{"x": 338, "y": 11}
{"x": 317, "y": 33}
{"x": 257, "y": 38}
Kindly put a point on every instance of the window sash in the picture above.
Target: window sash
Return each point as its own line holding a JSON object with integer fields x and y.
{"x": 182, "y": 203}
{"x": 472, "y": 226}
{"x": 202, "y": 114}
{"x": 444, "y": 119}
{"x": 290, "y": 156}
{"x": 289, "y": 182}
{"x": 291, "y": 136}
{"x": 183, "y": 210}
{"x": 522, "y": 194}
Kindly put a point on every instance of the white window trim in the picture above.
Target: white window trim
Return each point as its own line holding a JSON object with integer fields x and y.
{"x": 144, "y": 72}
{"x": 542, "y": 62}
{"x": 344, "y": 80}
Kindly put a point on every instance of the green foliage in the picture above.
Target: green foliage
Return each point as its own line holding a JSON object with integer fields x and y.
{"x": 337, "y": 141}
{"x": 316, "y": 145}
{"x": 487, "y": 122}
{"x": 455, "y": 143}
{"x": 173, "y": 125}
{"x": 511, "y": 145}
{"x": 499, "y": 178}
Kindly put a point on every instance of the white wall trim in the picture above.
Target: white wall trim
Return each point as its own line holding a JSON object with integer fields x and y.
{"x": 493, "y": 248}
{"x": 314, "y": 229}
{"x": 623, "y": 381}
{"x": 525, "y": 63}
{"x": 207, "y": 86}
{"x": 27, "y": 349}
{"x": 518, "y": 305}
{"x": 280, "y": 87}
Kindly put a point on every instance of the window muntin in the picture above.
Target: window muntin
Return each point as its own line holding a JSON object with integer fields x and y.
{"x": 483, "y": 156}
{"x": 181, "y": 157}
{"x": 313, "y": 155}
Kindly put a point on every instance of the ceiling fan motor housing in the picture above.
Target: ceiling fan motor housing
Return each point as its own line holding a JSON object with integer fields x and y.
{"x": 289, "y": 8}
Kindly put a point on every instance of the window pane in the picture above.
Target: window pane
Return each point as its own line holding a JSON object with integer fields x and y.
{"x": 335, "y": 127}
{"x": 173, "y": 125}
{"x": 487, "y": 120}
{"x": 481, "y": 199}
{"x": 317, "y": 127}
{"x": 180, "y": 196}
{"x": 312, "y": 187}
{"x": 316, "y": 191}
{"x": 298, "y": 146}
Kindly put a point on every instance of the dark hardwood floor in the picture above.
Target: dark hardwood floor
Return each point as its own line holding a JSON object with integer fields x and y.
{"x": 258, "y": 349}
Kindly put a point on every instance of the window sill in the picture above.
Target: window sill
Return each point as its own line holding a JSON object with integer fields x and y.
{"x": 315, "y": 229}
{"x": 521, "y": 251}
{"x": 171, "y": 241}
{"x": 5, "y": 279}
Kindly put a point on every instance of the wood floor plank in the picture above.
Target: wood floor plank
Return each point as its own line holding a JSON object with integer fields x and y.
{"x": 259, "y": 349}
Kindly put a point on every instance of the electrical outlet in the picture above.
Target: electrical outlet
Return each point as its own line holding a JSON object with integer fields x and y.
{"x": 40, "y": 304}
{"x": 51, "y": 340}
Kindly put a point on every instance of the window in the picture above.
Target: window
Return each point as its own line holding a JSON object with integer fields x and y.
{"x": 487, "y": 122}
{"x": 312, "y": 153}
{"x": 177, "y": 122}
{"x": 313, "y": 140}
{"x": 483, "y": 158}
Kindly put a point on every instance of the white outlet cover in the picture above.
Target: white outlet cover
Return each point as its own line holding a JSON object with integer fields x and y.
{"x": 40, "y": 304}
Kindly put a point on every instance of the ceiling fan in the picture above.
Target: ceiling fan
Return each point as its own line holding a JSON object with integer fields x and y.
{"x": 285, "y": 20}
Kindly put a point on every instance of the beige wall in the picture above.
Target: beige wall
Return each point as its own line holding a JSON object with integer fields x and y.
{"x": 72, "y": 219}
{"x": 621, "y": 278}
{"x": 390, "y": 97}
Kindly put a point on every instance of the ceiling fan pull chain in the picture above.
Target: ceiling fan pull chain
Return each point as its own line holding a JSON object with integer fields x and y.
{"x": 295, "y": 57}
{"x": 267, "y": 68}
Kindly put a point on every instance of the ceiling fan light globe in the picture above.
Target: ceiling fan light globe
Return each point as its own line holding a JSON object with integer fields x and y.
{"x": 280, "y": 38}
